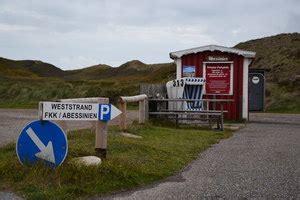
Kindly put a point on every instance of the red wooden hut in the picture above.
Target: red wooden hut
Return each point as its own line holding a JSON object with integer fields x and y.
{"x": 226, "y": 73}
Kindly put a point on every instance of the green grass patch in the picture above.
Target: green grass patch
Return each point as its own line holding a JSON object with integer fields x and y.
{"x": 132, "y": 106}
{"x": 162, "y": 152}
{"x": 19, "y": 105}
{"x": 281, "y": 100}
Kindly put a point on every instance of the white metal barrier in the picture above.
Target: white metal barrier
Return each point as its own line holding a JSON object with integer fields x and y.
{"x": 143, "y": 108}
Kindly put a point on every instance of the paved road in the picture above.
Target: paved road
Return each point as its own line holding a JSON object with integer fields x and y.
{"x": 12, "y": 121}
{"x": 259, "y": 161}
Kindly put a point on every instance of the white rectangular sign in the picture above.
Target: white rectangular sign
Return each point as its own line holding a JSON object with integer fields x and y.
{"x": 70, "y": 111}
{"x": 78, "y": 111}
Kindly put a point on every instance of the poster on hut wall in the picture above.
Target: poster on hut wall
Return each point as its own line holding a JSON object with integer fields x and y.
{"x": 218, "y": 78}
{"x": 188, "y": 71}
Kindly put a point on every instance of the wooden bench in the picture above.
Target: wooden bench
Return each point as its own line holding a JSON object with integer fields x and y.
{"x": 209, "y": 115}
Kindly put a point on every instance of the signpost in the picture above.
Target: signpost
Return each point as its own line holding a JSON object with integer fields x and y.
{"x": 100, "y": 112}
{"x": 78, "y": 111}
{"x": 42, "y": 141}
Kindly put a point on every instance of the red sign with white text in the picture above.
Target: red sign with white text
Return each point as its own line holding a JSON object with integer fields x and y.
{"x": 217, "y": 78}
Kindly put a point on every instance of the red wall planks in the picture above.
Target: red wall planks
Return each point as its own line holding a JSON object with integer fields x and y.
{"x": 234, "y": 108}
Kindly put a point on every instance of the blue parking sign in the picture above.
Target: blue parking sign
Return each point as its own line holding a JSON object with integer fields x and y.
{"x": 42, "y": 141}
{"x": 104, "y": 112}
{"x": 108, "y": 112}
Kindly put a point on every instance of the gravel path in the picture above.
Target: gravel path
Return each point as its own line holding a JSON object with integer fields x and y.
{"x": 261, "y": 161}
{"x": 272, "y": 118}
{"x": 13, "y": 120}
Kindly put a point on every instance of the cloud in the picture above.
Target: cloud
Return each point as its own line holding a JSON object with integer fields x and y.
{"x": 14, "y": 28}
{"x": 80, "y": 33}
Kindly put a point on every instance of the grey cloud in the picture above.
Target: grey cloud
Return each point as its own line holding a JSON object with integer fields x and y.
{"x": 72, "y": 33}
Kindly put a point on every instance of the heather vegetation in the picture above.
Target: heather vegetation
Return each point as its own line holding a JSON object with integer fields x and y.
{"x": 22, "y": 88}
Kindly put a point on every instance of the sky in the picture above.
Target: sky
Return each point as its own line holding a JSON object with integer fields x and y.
{"x": 73, "y": 34}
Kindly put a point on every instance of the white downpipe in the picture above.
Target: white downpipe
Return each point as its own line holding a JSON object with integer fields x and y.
{"x": 245, "y": 88}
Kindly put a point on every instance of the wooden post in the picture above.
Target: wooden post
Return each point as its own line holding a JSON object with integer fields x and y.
{"x": 123, "y": 116}
{"x": 205, "y": 107}
{"x": 101, "y": 134}
{"x": 142, "y": 111}
{"x": 146, "y": 109}
{"x": 210, "y": 122}
{"x": 176, "y": 121}
{"x": 40, "y": 112}
{"x": 63, "y": 125}
{"x": 222, "y": 117}
{"x": 214, "y": 103}
{"x": 218, "y": 123}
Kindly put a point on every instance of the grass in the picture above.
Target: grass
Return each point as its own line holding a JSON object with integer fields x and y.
{"x": 18, "y": 105}
{"x": 281, "y": 100}
{"x": 26, "y": 93}
{"x": 162, "y": 152}
{"x": 132, "y": 106}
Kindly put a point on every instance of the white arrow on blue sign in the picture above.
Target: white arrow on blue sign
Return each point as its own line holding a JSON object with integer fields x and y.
{"x": 42, "y": 141}
{"x": 78, "y": 111}
{"x": 108, "y": 112}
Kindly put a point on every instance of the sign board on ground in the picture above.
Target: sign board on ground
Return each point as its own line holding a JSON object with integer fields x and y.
{"x": 42, "y": 141}
{"x": 78, "y": 111}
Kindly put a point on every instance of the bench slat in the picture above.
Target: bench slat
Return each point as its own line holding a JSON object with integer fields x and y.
{"x": 200, "y": 111}
{"x": 211, "y": 116}
{"x": 182, "y": 113}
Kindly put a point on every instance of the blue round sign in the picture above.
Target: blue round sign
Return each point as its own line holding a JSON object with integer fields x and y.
{"x": 42, "y": 141}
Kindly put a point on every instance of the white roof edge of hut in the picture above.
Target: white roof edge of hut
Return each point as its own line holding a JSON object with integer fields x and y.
{"x": 179, "y": 54}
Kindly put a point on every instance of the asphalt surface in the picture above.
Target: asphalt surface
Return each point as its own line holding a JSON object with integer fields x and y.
{"x": 261, "y": 161}
{"x": 9, "y": 196}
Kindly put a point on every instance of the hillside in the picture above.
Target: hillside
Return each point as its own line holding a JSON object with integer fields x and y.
{"x": 24, "y": 83}
{"x": 132, "y": 70}
{"x": 92, "y": 72}
{"x": 280, "y": 54}
{"x": 29, "y": 68}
